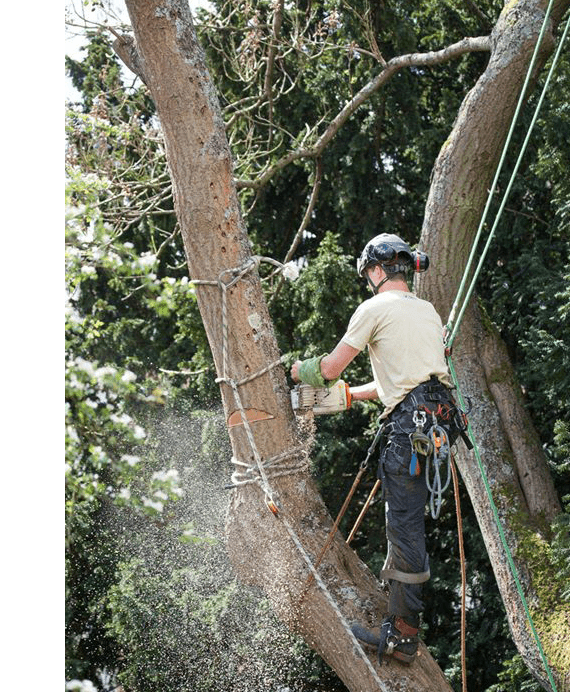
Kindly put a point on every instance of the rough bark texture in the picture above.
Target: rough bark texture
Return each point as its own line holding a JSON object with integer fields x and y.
{"x": 522, "y": 487}
{"x": 261, "y": 548}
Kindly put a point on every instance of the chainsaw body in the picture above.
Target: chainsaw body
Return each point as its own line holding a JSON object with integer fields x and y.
{"x": 321, "y": 400}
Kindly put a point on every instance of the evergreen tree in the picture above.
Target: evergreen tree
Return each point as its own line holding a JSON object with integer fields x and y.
{"x": 136, "y": 345}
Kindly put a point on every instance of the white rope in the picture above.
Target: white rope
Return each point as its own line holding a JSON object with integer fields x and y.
{"x": 273, "y": 463}
{"x": 236, "y": 274}
{"x": 333, "y": 604}
{"x": 262, "y": 479}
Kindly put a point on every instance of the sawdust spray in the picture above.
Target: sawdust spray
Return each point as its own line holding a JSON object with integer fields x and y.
{"x": 183, "y": 620}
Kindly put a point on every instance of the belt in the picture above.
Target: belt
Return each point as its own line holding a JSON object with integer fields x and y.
{"x": 430, "y": 390}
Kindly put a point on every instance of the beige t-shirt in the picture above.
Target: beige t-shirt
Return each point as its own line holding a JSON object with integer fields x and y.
{"x": 404, "y": 335}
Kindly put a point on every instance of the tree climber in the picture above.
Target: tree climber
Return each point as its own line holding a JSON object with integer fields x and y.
{"x": 404, "y": 337}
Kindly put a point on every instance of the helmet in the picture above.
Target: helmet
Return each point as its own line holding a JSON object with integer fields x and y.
{"x": 393, "y": 254}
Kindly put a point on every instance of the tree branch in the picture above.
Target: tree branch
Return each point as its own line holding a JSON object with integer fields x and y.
{"x": 302, "y": 227}
{"x": 466, "y": 45}
{"x": 125, "y": 47}
{"x": 268, "y": 87}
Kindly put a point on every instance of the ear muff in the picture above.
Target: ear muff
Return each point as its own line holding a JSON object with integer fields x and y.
{"x": 420, "y": 261}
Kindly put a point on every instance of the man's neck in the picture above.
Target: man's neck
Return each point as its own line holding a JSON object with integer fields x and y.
{"x": 397, "y": 285}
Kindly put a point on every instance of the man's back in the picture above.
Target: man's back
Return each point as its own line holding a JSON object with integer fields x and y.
{"x": 404, "y": 335}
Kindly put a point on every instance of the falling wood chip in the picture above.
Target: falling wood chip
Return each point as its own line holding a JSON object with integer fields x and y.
{"x": 252, "y": 415}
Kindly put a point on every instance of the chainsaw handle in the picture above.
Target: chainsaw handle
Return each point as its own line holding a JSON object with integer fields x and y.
{"x": 348, "y": 395}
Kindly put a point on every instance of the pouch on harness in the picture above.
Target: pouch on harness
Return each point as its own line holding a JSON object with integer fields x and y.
{"x": 438, "y": 421}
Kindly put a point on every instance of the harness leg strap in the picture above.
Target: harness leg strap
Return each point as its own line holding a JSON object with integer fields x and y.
{"x": 388, "y": 572}
{"x": 405, "y": 577}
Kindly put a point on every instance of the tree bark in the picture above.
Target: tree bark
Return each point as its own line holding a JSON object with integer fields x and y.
{"x": 522, "y": 487}
{"x": 262, "y": 546}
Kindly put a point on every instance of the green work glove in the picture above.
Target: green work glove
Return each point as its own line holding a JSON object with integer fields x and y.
{"x": 310, "y": 372}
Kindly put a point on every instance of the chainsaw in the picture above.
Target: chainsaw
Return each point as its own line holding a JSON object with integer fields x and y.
{"x": 321, "y": 400}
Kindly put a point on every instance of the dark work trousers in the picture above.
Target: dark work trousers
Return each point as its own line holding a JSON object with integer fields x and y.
{"x": 406, "y": 495}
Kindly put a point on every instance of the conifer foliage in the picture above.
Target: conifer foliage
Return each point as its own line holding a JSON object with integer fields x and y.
{"x": 151, "y": 602}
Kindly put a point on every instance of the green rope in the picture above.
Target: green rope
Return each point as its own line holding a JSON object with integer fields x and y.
{"x": 450, "y": 327}
{"x": 508, "y": 553}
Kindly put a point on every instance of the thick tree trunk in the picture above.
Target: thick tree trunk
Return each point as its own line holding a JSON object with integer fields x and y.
{"x": 263, "y": 546}
{"x": 512, "y": 456}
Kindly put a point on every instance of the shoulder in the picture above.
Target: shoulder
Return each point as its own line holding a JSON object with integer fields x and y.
{"x": 371, "y": 306}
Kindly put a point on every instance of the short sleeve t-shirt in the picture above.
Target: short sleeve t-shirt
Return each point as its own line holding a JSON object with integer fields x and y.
{"x": 404, "y": 336}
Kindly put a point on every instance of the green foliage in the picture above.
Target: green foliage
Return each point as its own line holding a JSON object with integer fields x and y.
{"x": 330, "y": 273}
{"x": 515, "y": 678}
{"x": 169, "y": 628}
{"x": 150, "y": 597}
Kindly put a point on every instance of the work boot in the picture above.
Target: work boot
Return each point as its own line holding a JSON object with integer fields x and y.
{"x": 398, "y": 639}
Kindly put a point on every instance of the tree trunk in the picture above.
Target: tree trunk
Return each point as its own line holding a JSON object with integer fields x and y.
{"x": 522, "y": 487}
{"x": 261, "y": 545}
{"x": 270, "y": 550}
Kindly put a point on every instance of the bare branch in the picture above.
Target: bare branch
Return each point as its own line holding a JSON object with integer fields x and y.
{"x": 184, "y": 372}
{"x": 303, "y": 226}
{"x": 308, "y": 212}
{"x": 268, "y": 86}
{"x": 167, "y": 242}
{"x": 466, "y": 45}
{"x": 125, "y": 47}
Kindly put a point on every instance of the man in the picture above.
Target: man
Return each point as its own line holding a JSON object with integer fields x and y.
{"x": 404, "y": 338}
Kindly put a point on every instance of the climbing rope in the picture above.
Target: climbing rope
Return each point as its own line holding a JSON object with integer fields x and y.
{"x": 502, "y": 536}
{"x": 258, "y": 473}
{"x": 363, "y": 511}
{"x": 434, "y": 461}
{"x": 463, "y": 575}
{"x": 454, "y": 322}
{"x": 227, "y": 279}
{"x": 247, "y": 476}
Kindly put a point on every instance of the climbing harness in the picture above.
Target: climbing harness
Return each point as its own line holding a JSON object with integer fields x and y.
{"x": 258, "y": 473}
{"x": 432, "y": 447}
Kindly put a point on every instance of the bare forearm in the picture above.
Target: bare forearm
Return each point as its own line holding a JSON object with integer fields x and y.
{"x": 333, "y": 364}
{"x": 364, "y": 391}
